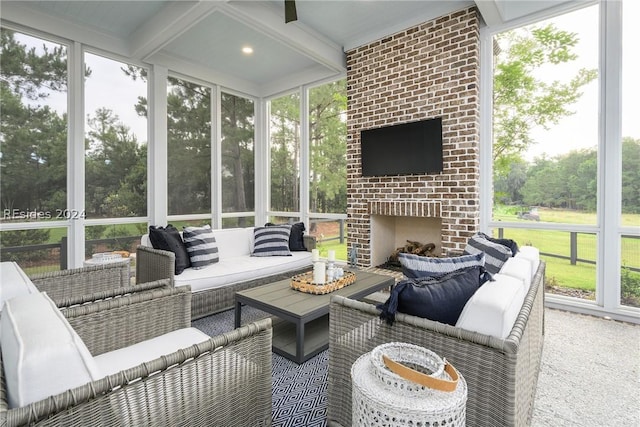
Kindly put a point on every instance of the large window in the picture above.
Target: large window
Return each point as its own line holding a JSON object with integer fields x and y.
{"x": 116, "y": 140}
{"x": 559, "y": 151}
{"x": 630, "y": 189}
{"x": 545, "y": 146}
{"x": 33, "y": 150}
{"x": 328, "y": 166}
{"x": 189, "y": 147}
{"x": 238, "y": 158}
{"x": 284, "y": 145}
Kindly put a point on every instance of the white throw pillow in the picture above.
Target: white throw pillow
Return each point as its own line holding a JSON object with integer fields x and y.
{"x": 41, "y": 353}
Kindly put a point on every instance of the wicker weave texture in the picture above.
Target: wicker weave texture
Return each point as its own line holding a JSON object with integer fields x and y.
{"x": 76, "y": 282}
{"x": 223, "y": 381}
{"x": 501, "y": 374}
{"x": 154, "y": 264}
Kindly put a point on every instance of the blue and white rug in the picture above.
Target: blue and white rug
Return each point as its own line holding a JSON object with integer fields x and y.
{"x": 299, "y": 393}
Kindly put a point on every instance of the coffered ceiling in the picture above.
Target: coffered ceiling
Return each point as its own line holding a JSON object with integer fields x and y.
{"x": 204, "y": 39}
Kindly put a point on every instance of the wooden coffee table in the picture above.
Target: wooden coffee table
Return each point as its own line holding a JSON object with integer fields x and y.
{"x": 301, "y": 329}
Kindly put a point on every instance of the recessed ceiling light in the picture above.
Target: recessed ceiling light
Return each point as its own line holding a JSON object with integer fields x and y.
{"x": 247, "y": 50}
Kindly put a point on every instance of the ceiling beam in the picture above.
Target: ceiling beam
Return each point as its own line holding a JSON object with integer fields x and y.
{"x": 490, "y": 11}
{"x": 172, "y": 21}
{"x": 263, "y": 17}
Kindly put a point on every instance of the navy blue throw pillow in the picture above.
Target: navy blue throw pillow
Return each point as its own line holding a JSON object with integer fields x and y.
{"x": 168, "y": 239}
{"x": 436, "y": 298}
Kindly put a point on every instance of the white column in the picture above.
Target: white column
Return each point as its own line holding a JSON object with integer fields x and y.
{"x": 610, "y": 156}
{"x": 262, "y": 160}
{"x": 216, "y": 158}
{"x": 157, "y": 170}
{"x": 305, "y": 156}
{"x": 75, "y": 156}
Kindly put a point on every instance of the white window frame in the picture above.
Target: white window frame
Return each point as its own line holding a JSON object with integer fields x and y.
{"x": 608, "y": 229}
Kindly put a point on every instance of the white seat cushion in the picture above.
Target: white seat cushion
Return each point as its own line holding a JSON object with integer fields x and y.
{"x": 42, "y": 355}
{"x": 240, "y": 269}
{"x": 494, "y": 307}
{"x": 124, "y": 358}
{"x": 14, "y": 282}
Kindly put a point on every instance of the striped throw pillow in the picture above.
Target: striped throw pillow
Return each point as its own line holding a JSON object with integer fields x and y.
{"x": 495, "y": 254}
{"x": 201, "y": 246}
{"x": 271, "y": 241}
{"x": 415, "y": 267}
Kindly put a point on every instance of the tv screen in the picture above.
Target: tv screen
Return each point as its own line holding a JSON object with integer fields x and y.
{"x": 404, "y": 149}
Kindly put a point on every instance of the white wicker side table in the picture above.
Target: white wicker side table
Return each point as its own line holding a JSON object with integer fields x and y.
{"x": 382, "y": 397}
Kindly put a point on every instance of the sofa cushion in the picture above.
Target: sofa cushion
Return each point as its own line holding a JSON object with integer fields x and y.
{"x": 238, "y": 269}
{"x": 14, "y": 282}
{"x": 201, "y": 246}
{"x": 41, "y": 353}
{"x": 494, "y": 307}
{"x": 495, "y": 253}
{"x": 124, "y": 358}
{"x": 168, "y": 239}
{"x": 531, "y": 254}
{"x": 296, "y": 238}
{"x": 436, "y": 298}
{"x": 233, "y": 242}
{"x": 414, "y": 266}
{"x": 519, "y": 268}
{"x": 509, "y": 243}
{"x": 271, "y": 241}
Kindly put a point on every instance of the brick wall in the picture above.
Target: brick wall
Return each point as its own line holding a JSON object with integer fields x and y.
{"x": 426, "y": 71}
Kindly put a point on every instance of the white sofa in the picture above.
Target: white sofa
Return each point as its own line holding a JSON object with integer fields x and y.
{"x": 214, "y": 286}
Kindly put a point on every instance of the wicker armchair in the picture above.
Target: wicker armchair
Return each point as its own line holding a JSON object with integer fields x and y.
{"x": 76, "y": 282}
{"x": 501, "y": 374}
{"x": 223, "y": 381}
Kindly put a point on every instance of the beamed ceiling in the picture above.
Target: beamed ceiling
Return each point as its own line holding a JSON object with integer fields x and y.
{"x": 204, "y": 39}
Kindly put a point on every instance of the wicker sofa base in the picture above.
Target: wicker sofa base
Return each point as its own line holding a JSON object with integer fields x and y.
{"x": 212, "y": 301}
{"x": 501, "y": 374}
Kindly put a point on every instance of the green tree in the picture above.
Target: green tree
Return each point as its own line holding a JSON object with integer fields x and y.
{"x": 568, "y": 181}
{"x": 33, "y": 136}
{"x": 521, "y": 101}
{"x": 285, "y": 153}
{"x": 115, "y": 168}
{"x": 508, "y": 188}
{"x": 328, "y": 146}
{"x": 238, "y": 170}
{"x": 630, "y": 175}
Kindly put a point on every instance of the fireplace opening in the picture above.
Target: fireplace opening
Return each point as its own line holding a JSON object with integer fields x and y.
{"x": 388, "y": 233}
{"x": 411, "y": 247}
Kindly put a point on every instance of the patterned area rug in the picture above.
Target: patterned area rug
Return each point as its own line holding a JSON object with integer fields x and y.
{"x": 299, "y": 394}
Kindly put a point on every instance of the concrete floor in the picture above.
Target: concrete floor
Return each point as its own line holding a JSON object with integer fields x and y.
{"x": 590, "y": 373}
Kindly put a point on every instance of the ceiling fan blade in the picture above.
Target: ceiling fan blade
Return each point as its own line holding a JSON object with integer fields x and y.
{"x": 290, "y": 13}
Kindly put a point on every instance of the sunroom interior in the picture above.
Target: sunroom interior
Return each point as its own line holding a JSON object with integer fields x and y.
{"x": 237, "y": 118}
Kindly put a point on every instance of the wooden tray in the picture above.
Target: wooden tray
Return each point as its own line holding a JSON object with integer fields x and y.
{"x": 304, "y": 283}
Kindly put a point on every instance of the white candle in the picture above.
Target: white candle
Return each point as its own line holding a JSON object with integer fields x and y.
{"x": 332, "y": 255}
{"x": 315, "y": 255}
{"x": 319, "y": 273}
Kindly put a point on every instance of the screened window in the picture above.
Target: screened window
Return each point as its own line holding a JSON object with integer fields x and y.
{"x": 284, "y": 144}
{"x": 189, "y": 147}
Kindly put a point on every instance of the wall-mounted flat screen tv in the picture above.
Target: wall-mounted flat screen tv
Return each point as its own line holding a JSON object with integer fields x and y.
{"x": 404, "y": 149}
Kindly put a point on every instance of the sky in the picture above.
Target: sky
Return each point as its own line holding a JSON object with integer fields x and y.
{"x": 581, "y": 130}
{"x": 108, "y": 87}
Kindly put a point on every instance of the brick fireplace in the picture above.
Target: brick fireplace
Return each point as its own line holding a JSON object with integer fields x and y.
{"x": 430, "y": 70}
